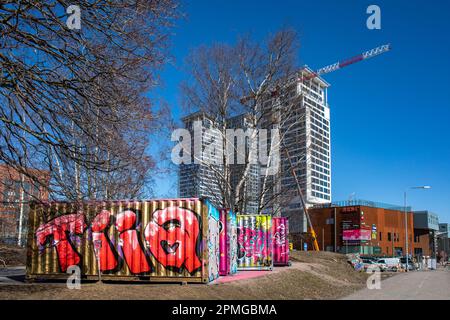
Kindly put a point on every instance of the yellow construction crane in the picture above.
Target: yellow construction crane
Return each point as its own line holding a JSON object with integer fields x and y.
{"x": 305, "y": 210}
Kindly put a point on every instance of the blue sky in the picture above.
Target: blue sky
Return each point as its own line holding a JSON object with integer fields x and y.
{"x": 389, "y": 115}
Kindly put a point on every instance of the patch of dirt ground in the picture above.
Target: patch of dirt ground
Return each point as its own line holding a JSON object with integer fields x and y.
{"x": 12, "y": 255}
{"x": 313, "y": 275}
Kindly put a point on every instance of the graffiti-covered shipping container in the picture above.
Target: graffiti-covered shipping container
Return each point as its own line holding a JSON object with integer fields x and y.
{"x": 227, "y": 242}
{"x": 280, "y": 239}
{"x": 152, "y": 240}
{"x": 254, "y": 242}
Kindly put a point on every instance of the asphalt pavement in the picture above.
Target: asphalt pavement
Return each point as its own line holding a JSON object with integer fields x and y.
{"x": 12, "y": 275}
{"x": 414, "y": 285}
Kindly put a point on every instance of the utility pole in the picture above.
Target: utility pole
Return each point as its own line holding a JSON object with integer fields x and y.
{"x": 22, "y": 192}
{"x": 406, "y": 235}
{"x": 406, "y": 225}
{"x": 335, "y": 236}
{"x": 21, "y": 210}
{"x": 323, "y": 239}
{"x": 392, "y": 240}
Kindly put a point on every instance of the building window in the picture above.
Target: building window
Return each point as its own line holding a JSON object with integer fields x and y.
{"x": 381, "y": 237}
{"x": 396, "y": 237}
{"x": 389, "y": 236}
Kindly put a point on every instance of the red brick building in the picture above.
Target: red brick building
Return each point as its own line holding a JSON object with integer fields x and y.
{"x": 16, "y": 190}
{"x": 366, "y": 227}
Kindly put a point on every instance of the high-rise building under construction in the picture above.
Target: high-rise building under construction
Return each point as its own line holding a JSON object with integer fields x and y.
{"x": 303, "y": 119}
{"x": 303, "y": 114}
{"x": 202, "y": 178}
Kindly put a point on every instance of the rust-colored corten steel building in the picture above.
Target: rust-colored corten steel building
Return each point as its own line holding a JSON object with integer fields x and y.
{"x": 15, "y": 193}
{"x": 366, "y": 227}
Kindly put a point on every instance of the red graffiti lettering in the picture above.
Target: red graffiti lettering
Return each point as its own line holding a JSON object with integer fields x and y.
{"x": 126, "y": 224}
{"x": 103, "y": 248}
{"x": 62, "y": 233}
{"x": 173, "y": 236}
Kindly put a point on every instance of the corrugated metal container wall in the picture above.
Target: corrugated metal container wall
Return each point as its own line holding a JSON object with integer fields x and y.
{"x": 154, "y": 240}
{"x": 228, "y": 242}
{"x": 213, "y": 242}
{"x": 280, "y": 234}
{"x": 254, "y": 242}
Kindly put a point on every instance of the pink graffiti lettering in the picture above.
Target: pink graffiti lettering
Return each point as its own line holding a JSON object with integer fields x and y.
{"x": 280, "y": 235}
{"x": 251, "y": 242}
{"x": 280, "y": 229}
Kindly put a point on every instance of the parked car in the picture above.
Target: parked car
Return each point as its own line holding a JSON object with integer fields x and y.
{"x": 371, "y": 262}
{"x": 392, "y": 264}
{"x": 369, "y": 258}
{"x": 411, "y": 264}
{"x": 367, "y": 263}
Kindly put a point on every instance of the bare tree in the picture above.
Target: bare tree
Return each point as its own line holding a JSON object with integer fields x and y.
{"x": 228, "y": 80}
{"x": 73, "y": 101}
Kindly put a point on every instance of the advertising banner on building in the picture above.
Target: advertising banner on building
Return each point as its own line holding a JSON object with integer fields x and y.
{"x": 374, "y": 232}
{"x": 356, "y": 234}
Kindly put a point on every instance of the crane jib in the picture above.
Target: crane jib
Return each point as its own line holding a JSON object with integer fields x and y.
{"x": 350, "y": 61}
{"x": 338, "y": 65}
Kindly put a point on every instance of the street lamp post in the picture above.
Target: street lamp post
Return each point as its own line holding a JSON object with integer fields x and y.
{"x": 406, "y": 224}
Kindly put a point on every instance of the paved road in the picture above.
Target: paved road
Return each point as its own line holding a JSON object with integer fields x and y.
{"x": 417, "y": 285}
{"x": 12, "y": 275}
{"x": 423, "y": 285}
